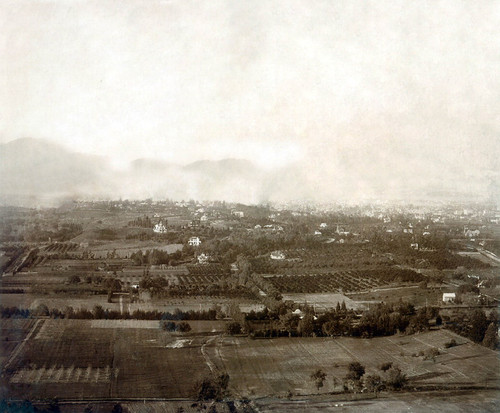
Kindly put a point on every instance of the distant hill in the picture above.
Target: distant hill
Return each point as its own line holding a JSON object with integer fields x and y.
{"x": 31, "y": 167}
{"x": 38, "y": 172}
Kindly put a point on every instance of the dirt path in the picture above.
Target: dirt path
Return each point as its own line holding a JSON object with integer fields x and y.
{"x": 208, "y": 362}
{"x": 21, "y": 345}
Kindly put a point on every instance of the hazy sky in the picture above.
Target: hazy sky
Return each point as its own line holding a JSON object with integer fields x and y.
{"x": 386, "y": 88}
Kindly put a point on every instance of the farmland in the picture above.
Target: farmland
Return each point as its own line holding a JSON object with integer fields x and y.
{"x": 115, "y": 358}
{"x": 93, "y": 305}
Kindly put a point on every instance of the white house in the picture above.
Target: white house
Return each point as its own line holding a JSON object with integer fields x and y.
{"x": 449, "y": 297}
{"x": 203, "y": 258}
{"x": 160, "y": 228}
{"x": 323, "y": 225}
{"x": 277, "y": 255}
{"x": 317, "y": 232}
{"x": 469, "y": 233}
{"x": 194, "y": 241}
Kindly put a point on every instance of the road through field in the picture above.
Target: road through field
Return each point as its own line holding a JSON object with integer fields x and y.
{"x": 21, "y": 345}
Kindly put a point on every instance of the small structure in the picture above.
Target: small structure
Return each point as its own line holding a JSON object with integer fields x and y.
{"x": 469, "y": 233}
{"x": 194, "y": 241}
{"x": 277, "y": 255}
{"x": 239, "y": 214}
{"x": 449, "y": 297}
{"x": 414, "y": 245}
{"x": 317, "y": 232}
{"x": 323, "y": 225}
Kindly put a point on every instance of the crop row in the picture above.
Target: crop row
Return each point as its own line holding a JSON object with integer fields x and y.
{"x": 323, "y": 283}
{"x": 61, "y": 247}
{"x": 207, "y": 269}
{"x": 186, "y": 280}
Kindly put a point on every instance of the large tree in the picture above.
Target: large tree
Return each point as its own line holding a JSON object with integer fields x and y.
{"x": 318, "y": 377}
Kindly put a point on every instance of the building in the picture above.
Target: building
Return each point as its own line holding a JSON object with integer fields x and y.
{"x": 203, "y": 258}
{"x": 323, "y": 225}
{"x": 449, "y": 297}
{"x": 160, "y": 228}
{"x": 469, "y": 233}
{"x": 194, "y": 241}
{"x": 277, "y": 255}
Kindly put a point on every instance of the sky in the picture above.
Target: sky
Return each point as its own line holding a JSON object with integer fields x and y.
{"x": 395, "y": 93}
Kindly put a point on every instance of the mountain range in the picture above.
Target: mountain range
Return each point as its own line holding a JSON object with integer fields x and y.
{"x": 39, "y": 172}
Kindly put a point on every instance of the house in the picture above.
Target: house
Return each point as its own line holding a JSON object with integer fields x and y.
{"x": 469, "y": 233}
{"x": 449, "y": 297}
{"x": 194, "y": 241}
{"x": 160, "y": 228}
{"x": 317, "y": 232}
{"x": 239, "y": 214}
{"x": 277, "y": 255}
{"x": 203, "y": 258}
{"x": 414, "y": 245}
{"x": 323, "y": 225}
{"x": 204, "y": 218}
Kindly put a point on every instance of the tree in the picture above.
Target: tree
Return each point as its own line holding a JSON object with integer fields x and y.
{"x": 355, "y": 371}
{"x": 491, "y": 337}
{"x": 183, "y": 327}
{"x": 117, "y": 408}
{"x": 212, "y": 388}
{"x": 306, "y": 325}
{"x": 353, "y": 376}
{"x": 395, "y": 378}
{"x": 386, "y": 366}
{"x": 373, "y": 383}
{"x": 98, "y": 312}
{"x": 479, "y": 325}
{"x": 233, "y": 328}
{"x": 42, "y": 310}
{"x": 318, "y": 377}
{"x": 74, "y": 279}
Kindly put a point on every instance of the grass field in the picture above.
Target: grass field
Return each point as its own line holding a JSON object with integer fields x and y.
{"x": 119, "y": 359}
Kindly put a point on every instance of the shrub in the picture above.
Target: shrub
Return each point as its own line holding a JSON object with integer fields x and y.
{"x": 386, "y": 366}
{"x": 451, "y": 343}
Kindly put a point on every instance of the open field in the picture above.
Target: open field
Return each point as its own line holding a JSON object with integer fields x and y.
{"x": 272, "y": 367}
{"x": 114, "y": 358}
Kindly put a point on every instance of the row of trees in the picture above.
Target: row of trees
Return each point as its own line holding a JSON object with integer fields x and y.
{"x": 390, "y": 378}
{"x": 99, "y": 313}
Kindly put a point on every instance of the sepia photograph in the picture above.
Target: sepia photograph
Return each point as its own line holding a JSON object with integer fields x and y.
{"x": 249, "y": 206}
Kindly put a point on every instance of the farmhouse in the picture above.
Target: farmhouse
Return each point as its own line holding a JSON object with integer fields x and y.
{"x": 277, "y": 255}
{"x": 160, "y": 228}
{"x": 194, "y": 241}
{"x": 323, "y": 225}
{"x": 203, "y": 258}
{"x": 449, "y": 297}
{"x": 469, "y": 233}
